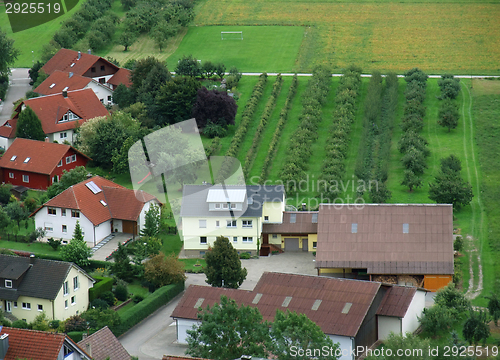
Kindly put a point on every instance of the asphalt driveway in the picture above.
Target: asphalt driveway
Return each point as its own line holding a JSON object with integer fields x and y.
{"x": 19, "y": 84}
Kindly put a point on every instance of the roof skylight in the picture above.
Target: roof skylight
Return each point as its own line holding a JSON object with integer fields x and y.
{"x": 256, "y": 299}
{"x": 51, "y": 86}
{"x": 66, "y": 88}
{"x": 103, "y": 203}
{"x": 286, "y": 302}
{"x": 346, "y": 308}
{"x": 316, "y": 305}
{"x": 73, "y": 64}
{"x": 27, "y": 159}
{"x": 198, "y": 303}
{"x": 13, "y": 157}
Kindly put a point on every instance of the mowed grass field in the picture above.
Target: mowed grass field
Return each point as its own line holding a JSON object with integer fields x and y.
{"x": 437, "y": 36}
{"x": 263, "y": 48}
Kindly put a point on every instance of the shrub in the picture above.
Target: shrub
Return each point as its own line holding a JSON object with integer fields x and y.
{"x": 137, "y": 298}
{"x": 75, "y": 323}
{"x": 76, "y": 336}
{"x": 109, "y": 297}
{"x": 245, "y": 256}
{"x": 54, "y": 243}
{"x": 213, "y": 130}
{"x": 99, "y": 304}
{"x": 54, "y": 324}
{"x": 121, "y": 292}
{"x": 458, "y": 244}
{"x": 20, "y": 324}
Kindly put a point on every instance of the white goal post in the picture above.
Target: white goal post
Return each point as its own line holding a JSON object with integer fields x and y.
{"x": 231, "y": 35}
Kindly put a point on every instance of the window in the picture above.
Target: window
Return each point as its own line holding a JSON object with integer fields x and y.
{"x": 73, "y": 158}
{"x": 102, "y": 67}
{"x": 235, "y": 239}
{"x": 217, "y": 223}
{"x": 109, "y": 98}
{"x": 60, "y": 163}
{"x": 65, "y": 304}
{"x": 315, "y": 243}
{"x": 314, "y": 218}
{"x": 247, "y": 223}
{"x": 231, "y": 223}
{"x": 26, "y": 306}
{"x": 64, "y": 229}
{"x": 55, "y": 179}
{"x": 48, "y": 227}
{"x": 203, "y": 239}
{"x": 65, "y": 288}
{"x": 92, "y": 69}
{"x": 73, "y": 300}
{"x": 15, "y": 304}
{"x": 52, "y": 211}
{"x": 217, "y": 206}
{"x": 8, "y": 283}
{"x": 68, "y": 159}
{"x": 102, "y": 81}
{"x": 406, "y": 228}
{"x": 293, "y": 218}
{"x": 354, "y": 228}
{"x": 26, "y": 178}
{"x": 233, "y": 206}
{"x": 275, "y": 236}
{"x": 11, "y": 175}
{"x": 266, "y": 218}
{"x": 75, "y": 283}
{"x": 63, "y": 135}
{"x": 247, "y": 239}
{"x": 202, "y": 253}
{"x": 225, "y": 206}
{"x": 63, "y": 212}
{"x": 40, "y": 307}
{"x": 202, "y": 224}
{"x": 75, "y": 213}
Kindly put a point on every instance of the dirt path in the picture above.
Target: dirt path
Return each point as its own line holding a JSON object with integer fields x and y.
{"x": 475, "y": 252}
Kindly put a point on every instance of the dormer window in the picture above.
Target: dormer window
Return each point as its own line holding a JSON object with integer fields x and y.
{"x": 69, "y": 116}
{"x": 8, "y": 284}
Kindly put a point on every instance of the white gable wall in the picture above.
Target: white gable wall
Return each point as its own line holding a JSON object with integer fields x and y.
{"x": 346, "y": 345}
{"x": 68, "y": 135}
{"x": 388, "y": 324}
{"x": 43, "y": 220}
{"x": 5, "y": 142}
{"x": 417, "y": 305}
{"x": 182, "y": 326}
{"x": 101, "y": 91}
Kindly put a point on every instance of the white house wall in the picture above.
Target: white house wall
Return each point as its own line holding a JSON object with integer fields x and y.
{"x": 346, "y": 345}
{"x": 182, "y": 326}
{"x": 102, "y": 92}
{"x": 388, "y": 324}
{"x": 5, "y": 142}
{"x": 61, "y": 312}
{"x": 57, "y": 136}
{"x": 117, "y": 225}
{"x": 42, "y": 218}
{"x": 417, "y": 305}
{"x": 102, "y": 230}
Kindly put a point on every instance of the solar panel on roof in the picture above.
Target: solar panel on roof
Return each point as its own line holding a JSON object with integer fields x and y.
{"x": 93, "y": 187}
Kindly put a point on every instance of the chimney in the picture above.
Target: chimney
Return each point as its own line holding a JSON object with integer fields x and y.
{"x": 79, "y": 55}
{"x": 47, "y": 139}
{"x": 88, "y": 349}
{"x": 4, "y": 345}
{"x": 32, "y": 259}
{"x": 65, "y": 93}
{"x": 304, "y": 208}
{"x": 70, "y": 75}
{"x": 89, "y": 52}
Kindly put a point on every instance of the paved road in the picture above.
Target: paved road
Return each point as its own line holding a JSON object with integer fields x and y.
{"x": 155, "y": 336}
{"x": 19, "y": 85}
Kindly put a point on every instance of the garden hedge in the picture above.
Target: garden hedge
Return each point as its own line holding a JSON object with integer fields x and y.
{"x": 147, "y": 306}
{"x": 102, "y": 285}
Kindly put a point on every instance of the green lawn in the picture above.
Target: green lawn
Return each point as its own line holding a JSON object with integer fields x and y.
{"x": 36, "y": 247}
{"x": 263, "y": 48}
{"x": 189, "y": 264}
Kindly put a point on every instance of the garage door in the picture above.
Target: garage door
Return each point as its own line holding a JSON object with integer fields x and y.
{"x": 436, "y": 282}
{"x": 129, "y": 227}
{"x": 291, "y": 244}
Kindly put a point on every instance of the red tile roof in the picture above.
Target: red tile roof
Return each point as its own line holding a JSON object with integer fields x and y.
{"x": 121, "y": 203}
{"x": 32, "y": 344}
{"x": 51, "y": 108}
{"x": 333, "y": 294}
{"x": 44, "y": 156}
{"x": 379, "y": 244}
{"x": 396, "y": 301}
{"x": 64, "y": 58}
{"x": 122, "y": 76}
{"x": 8, "y": 130}
{"x": 104, "y": 345}
{"x": 61, "y": 80}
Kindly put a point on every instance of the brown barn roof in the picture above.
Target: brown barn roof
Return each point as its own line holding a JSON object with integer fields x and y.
{"x": 396, "y": 301}
{"x": 65, "y": 58}
{"x": 104, "y": 345}
{"x": 303, "y": 224}
{"x": 122, "y": 76}
{"x": 340, "y": 304}
{"x": 43, "y": 156}
{"x": 60, "y": 80}
{"x": 379, "y": 244}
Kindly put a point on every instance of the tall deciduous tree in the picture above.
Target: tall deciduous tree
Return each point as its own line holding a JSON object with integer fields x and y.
{"x": 224, "y": 265}
{"x": 77, "y": 250}
{"x": 16, "y": 211}
{"x": 297, "y": 330}
{"x": 163, "y": 31}
{"x": 494, "y": 307}
{"x": 228, "y": 332}
{"x": 4, "y": 218}
{"x": 448, "y": 114}
{"x": 188, "y": 66}
{"x": 476, "y": 327}
{"x": 411, "y": 180}
{"x": 214, "y": 106}
{"x": 164, "y": 270}
{"x": 127, "y": 38}
{"x": 68, "y": 178}
{"x": 8, "y": 53}
{"x": 29, "y": 125}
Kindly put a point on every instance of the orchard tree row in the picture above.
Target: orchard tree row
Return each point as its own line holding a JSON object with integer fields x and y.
{"x": 448, "y": 108}
{"x": 333, "y": 168}
{"x": 412, "y": 145}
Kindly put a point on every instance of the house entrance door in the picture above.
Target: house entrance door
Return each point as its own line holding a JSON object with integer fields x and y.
{"x": 8, "y": 306}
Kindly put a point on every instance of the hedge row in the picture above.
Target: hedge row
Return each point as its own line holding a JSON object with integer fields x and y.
{"x": 240, "y": 133}
{"x": 104, "y": 284}
{"x": 147, "y": 306}
{"x": 333, "y": 167}
{"x": 214, "y": 147}
{"x": 299, "y": 150}
{"x": 279, "y": 127}
{"x": 266, "y": 114}
{"x": 412, "y": 145}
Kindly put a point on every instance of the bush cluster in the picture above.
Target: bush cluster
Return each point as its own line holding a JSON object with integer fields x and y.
{"x": 240, "y": 133}
{"x": 266, "y": 114}
{"x": 189, "y": 66}
{"x": 333, "y": 166}
{"x": 279, "y": 127}
{"x": 299, "y": 150}
{"x": 412, "y": 145}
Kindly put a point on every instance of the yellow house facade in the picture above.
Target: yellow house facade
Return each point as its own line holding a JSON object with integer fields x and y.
{"x": 31, "y": 286}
